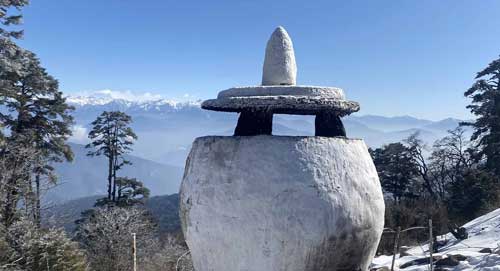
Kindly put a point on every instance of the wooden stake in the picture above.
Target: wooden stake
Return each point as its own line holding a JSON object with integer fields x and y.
{"x": 431, "y": 245}
{"x": 134, "y": 250}
{"x": 396, "y": 245}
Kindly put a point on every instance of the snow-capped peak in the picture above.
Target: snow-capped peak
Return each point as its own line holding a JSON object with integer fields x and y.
{"x": 144, "y": 100}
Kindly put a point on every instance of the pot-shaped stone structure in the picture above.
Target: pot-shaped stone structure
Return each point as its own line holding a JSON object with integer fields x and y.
{"x": 258, "y": 202}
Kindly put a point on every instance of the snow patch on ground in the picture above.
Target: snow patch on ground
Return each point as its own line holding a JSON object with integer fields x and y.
{"x": 484, "y": 232}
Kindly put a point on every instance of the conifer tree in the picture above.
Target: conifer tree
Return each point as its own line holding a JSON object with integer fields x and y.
{"x": 112, "y": 137}
{"x": 7, "y": 19}
{"x": 396, "y": 169}
{"x": 485, "y": 94}
{"x": 130, "y": 191}
{"x": 38, "y": 115}
{"x": 9, "y": 51}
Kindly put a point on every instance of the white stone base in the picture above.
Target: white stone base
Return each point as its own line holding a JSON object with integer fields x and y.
{"x": 277, "y": 203}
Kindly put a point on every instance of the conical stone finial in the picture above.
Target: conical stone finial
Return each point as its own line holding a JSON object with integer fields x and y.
{"x": 279, "y": 63}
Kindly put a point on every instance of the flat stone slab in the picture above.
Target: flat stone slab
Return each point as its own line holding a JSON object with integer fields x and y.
{"x": 299, "y": 100}
{"x": 283, "y": 104}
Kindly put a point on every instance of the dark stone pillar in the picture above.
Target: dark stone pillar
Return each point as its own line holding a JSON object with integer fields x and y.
{"x": 258, "y": 122}
{"x": 328, "y": 124}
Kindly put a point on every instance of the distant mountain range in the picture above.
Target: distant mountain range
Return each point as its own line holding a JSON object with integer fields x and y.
{"x": 167, "y": 128}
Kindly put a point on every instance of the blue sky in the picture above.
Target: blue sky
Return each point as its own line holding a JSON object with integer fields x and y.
{"x": 394, "y": 57}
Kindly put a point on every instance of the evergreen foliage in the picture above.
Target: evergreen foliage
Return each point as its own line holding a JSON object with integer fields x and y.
{"x": 485, "y": 94}
{"x": 15, "y": 165}
{"x": 131, "y": 191}
{"x": 7, "y": 19}
{"x": 38, "y": 118}
{"x": 35, "y": 123}
{"x": 112, "y": 137}
{"x": 396, "y": 170}
{"x": 473, "y": 194}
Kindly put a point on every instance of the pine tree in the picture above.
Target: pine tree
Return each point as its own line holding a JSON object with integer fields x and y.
{"x": 473, "y": 194}
{"x": 485, "y": 94}
{"x": 8, "y": 19}
{"x": 39, "y": 116}
{"x": 396, "y": 170}
{"x": 15, "y": 164}
{"x": 130, "y": 191}
{"x": 9, "y": 51}
{"x": 112, "y": 137}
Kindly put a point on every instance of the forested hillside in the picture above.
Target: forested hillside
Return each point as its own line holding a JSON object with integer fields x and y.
{"x": 164, "y": 209}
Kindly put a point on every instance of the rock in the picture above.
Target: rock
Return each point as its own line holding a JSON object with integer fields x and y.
{"x": 278, "y": 203}
{"x": 458, "y": 257}
{"x": 459, "y": 232}
{"x": 420, "y": 261}
{"x": 440, "y": 243}
{"x": 486, "y": 250}
{"x": 403, "y": 251}
{"x": 448, "y": 261}
{"x": 279, "y": 63}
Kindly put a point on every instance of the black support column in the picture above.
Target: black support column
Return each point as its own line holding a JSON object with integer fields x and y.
{"x": 328, "y": 124}
{"x": 254, "y": 122}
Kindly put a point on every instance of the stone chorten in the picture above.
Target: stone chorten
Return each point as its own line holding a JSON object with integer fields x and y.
{"x": 257, "y": 202}
{"x": 279, "y": 94}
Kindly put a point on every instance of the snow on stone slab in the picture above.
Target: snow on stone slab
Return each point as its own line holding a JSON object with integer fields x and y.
{"x": 484, "y": 232}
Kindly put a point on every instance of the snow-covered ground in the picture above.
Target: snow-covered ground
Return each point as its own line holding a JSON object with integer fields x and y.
{"x": 484, "y": 232}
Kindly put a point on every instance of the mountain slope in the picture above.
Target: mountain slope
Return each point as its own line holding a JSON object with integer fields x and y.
{"x": 390, "y": 124}
{"x": 88, "y": 176}
{"x": 484, "y": 234}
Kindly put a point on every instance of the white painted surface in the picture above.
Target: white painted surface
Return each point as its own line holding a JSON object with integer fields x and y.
{"x": 274, "y": 203}
{"x": 314, "y": 91}
{"x": 279, "y": 63}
